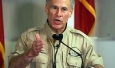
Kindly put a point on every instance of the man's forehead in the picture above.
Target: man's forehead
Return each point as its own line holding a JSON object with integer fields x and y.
{"x": 60, "y": 2}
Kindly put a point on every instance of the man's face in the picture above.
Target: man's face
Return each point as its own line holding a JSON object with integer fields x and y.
{"x": 58, "y": 12}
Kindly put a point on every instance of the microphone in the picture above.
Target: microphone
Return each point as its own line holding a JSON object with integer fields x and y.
{"x": 60, "y": 37}
{"x": 57, "y": 37}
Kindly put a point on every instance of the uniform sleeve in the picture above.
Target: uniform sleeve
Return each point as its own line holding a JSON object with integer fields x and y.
{"x": 19, "y": 49}
{"x": 92, "y": 57}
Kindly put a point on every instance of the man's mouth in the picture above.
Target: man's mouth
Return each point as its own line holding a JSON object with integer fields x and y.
{"x": 57, "y": 21}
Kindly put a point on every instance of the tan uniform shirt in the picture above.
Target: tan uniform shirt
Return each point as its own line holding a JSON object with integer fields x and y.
{"x": 65, "y": 57}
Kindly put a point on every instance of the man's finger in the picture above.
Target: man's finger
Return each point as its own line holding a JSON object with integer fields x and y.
{"x": 37, "y": 37}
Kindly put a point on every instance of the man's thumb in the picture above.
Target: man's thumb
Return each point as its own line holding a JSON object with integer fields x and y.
{"x": 37, "y": 37}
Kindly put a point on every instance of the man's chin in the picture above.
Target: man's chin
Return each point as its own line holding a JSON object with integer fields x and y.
{"x": 57, "y": 27}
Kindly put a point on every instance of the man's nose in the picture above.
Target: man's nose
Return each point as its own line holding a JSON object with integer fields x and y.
{"x": 59, "y": 13}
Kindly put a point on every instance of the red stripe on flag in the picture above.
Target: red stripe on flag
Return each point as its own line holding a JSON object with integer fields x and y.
{"x": 84, "y": 20}
{"x": 1, "y": 38}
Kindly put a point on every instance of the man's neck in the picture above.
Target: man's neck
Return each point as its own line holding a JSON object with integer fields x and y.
{"x": 59, "y": 31}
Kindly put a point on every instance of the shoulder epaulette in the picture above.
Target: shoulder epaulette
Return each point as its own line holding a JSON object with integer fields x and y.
{"x": 78, "y": 32}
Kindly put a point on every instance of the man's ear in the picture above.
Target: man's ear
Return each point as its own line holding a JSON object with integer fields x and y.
{"x": 71, "y": 11}
{"x": 46, "y": 9}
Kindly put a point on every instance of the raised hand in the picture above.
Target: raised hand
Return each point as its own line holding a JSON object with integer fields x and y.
{"x": 37, "y": 46}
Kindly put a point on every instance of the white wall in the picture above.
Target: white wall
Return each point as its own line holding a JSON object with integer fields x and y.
{"x": 19, "y": 15}
{"x": 106, "y": 47}
{"x": 105, "y": 18}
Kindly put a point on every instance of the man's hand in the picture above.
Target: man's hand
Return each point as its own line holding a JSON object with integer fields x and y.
{"x": 37, "y": 46}
{"x": 98, "y": 66}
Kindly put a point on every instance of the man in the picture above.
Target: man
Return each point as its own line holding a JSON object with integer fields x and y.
{"x": 37, "y": 49}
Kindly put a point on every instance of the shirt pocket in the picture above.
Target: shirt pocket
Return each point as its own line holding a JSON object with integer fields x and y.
{"x": 73, "y": 60}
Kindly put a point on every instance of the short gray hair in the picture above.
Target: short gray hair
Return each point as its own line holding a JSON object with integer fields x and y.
{"x": 72, "y": 3}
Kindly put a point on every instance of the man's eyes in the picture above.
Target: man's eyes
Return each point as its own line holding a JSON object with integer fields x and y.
{"x": 63, "y": 8}
{"x": 54, "y": 7}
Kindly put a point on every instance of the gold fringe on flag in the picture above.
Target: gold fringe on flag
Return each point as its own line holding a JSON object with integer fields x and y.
{"x": 92, "y": 11}
{"x": 2, "y": 52}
